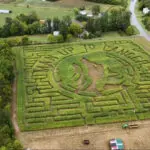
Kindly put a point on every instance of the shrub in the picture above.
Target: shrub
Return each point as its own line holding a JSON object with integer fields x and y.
{"x": 146, "y": 22}
{"x": 130, "y": 30}
{"x": 96, "y": 10}
{"x": 25, "y": 40}
{"x": 55, "y": 39}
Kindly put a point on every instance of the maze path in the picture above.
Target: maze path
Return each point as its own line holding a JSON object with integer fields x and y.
{"x": 56, "y": 84}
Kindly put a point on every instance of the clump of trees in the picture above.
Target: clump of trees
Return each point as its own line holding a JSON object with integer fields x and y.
{"x": 146, "y": 18}
{"x": 115, "y": 20}
{"x": 7, "y": 139}
{"x": 143, "y": 4}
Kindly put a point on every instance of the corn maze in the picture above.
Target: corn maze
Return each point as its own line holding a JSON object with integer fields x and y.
{"x": 82, "y": 84}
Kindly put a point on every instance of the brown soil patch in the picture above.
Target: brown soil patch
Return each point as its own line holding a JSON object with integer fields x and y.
{"x": 95, "y": 71}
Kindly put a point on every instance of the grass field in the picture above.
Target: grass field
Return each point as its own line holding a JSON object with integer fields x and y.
{"x": 82, "y": 84}
{"x": 46, "y": 9}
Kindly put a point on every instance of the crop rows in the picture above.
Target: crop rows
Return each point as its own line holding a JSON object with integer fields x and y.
{"x": 57, "y": 84}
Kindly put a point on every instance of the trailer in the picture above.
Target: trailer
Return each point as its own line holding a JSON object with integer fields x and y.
{"x": 3, "y": 11}
{"x": 130, "y": 126}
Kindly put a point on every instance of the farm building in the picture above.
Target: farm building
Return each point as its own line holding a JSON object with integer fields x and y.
{"x": 2, "y": 11}
{"x": 146, "y": 11}
{"x": 56, "y": 33}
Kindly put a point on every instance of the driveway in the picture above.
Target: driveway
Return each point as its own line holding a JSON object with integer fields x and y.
{"x": 135, "y": 22}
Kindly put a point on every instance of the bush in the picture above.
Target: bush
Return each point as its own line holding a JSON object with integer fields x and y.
{"x": 55, "y": 39}
{"x": 80, "y": 17}
{"x": 96, "y": 10}
{"x": 25, "y": 40}
{"x": 75, "y": 29}
{"x": 130, "y": 30}
{"x": 146, "y": 22}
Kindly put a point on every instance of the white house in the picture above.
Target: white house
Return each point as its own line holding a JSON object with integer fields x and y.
{"x": 56, "y": 33}
{"x": 146, "y": 10}
{"x": 83, "y": 12}
{"x": 2, "y": 11}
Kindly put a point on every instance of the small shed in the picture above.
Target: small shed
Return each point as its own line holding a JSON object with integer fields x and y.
{"x": 2, "y": 11}
{"x": 146, "y": 10}
{"x": 42, "y": 21}
{"x": 56, "y": 33}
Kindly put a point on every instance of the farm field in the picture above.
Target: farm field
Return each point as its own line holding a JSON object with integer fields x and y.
{"x": 82, "y": 84}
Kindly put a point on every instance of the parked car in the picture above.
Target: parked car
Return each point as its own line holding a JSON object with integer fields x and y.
{"x": 116, "y": 144}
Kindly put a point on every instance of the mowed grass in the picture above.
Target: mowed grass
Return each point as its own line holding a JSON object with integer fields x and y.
{"x": 47, "y": 9}
{"x": 42, "y": 12}
{"x": 57, "y": 88}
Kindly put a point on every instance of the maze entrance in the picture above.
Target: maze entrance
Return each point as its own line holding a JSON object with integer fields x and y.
{"x": 82, "y": 84}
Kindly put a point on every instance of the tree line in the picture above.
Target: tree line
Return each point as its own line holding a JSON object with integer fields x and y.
{"x": 7, "y": 138}
{"x": 113, "y": 20}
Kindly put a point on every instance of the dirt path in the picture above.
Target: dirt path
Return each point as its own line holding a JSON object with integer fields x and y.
{"x": 95, "y": 71}
{"x": 14, "y": 109}
{"x": 99, "y": 135}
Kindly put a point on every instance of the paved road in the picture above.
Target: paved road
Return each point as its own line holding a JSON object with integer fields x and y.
{"x": 135, "y": 22}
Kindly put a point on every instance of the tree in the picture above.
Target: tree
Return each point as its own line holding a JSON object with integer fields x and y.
{"x": 69, "y": 37}
{"x": 56, "y": 23}
{"x": 51, "y": 38}
{"x": 130, "y": 30}
{"x": 67, "y": 20}
{"x": 55, "y": 39}
{"x": 17, "y": 28}
{"x": 96, "y": 9}
{"x": 90, "y": 25}
{"x": 49, "y": 27}
{"x": 25, "y": 40}
{"x": 59, "y": 38}
{"x": 63, "y": 29}
{"x": 75, "y": 29}
{"x": 104, "y": 23}
{"x": 34, "y": 28}
{"x": 17, "y": 145}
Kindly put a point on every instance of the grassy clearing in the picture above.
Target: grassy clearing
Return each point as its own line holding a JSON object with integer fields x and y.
{"x": 57, "y": 87}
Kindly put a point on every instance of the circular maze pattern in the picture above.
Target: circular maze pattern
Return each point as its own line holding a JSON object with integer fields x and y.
{"x": 82, "y": 84}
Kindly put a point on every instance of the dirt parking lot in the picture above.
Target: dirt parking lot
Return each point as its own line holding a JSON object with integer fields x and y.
{"x": 99, "y": 135}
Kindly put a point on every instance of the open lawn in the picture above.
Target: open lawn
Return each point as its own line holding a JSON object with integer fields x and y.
{"x": 82, "y": 84}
